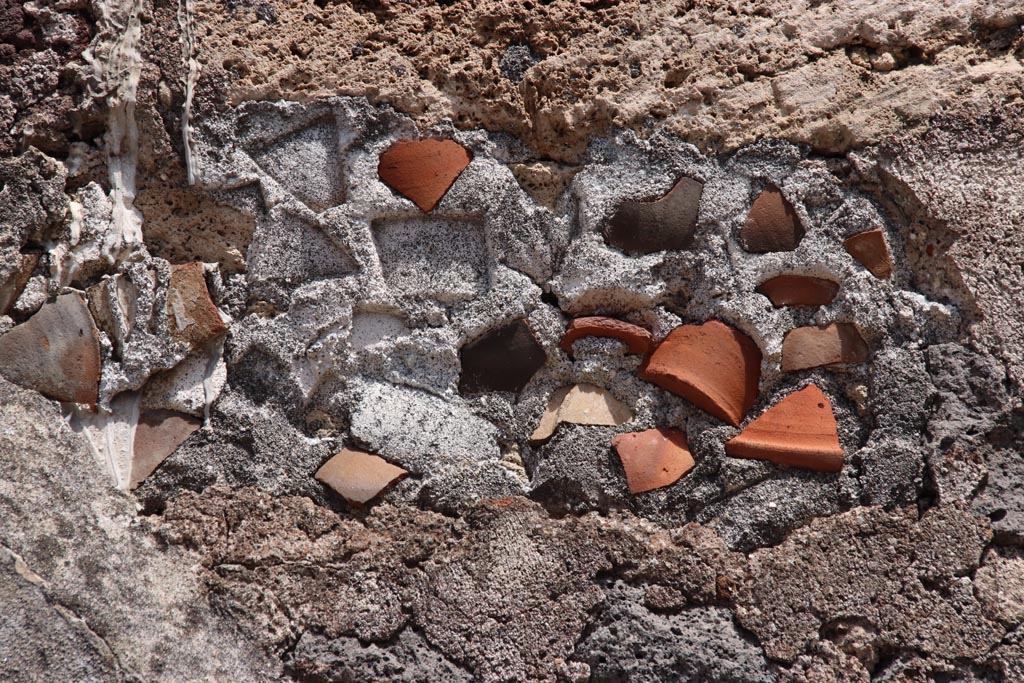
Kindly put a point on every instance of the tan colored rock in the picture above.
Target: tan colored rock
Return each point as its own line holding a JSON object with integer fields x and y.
{"x": 358, "y": 476}
{"x": 544, "y": 181}
{"x": 798, "y": 290}
{"x": 871, "y": 251}
{"x": 772, "y": 224}
{"x": 582, "y": 404}
{"x": 999, "y": 584}
{"x": 423, "y": 170}
{"x": 157, "y": 435}
{"x": 56, "y": 351}
{"x": 800, "y": 431}
{"x": 811, "y": 347}
{"x": 653, "y": 458}
{"x": 714, "y": 366}
{"x": 192, "y": 315}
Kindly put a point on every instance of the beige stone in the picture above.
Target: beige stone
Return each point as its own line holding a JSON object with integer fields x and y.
{"x": 358, "y": 476}
{"x": 582, "y": 404}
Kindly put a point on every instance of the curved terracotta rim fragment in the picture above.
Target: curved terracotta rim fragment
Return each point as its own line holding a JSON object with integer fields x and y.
{"x": 637, "y": 339}
{"x": 798, "y": 290}
{"x": 714, "y": 366}
{"x": 799, "y": 431}
{"x": 423, "y": 170}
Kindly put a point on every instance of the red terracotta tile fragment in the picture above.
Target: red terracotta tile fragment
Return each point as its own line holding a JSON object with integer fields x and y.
{"x": 653, "y": 458}
{"x": 667, "y": 223}
{"x": 870, "y": 249}
{"x": 191, "y": 313}
{"x": 157, "y": 435}
{"x": 811, "y": 347}
{"x": 798, "y": 290}
{"x": 800, "y": 431}
{"x": 55, "y": 352}
{"x": 12, "y": 288}
{"x": 423, "y": 170}
{"x": 714, "y": 366}
{"x": 637, "y": 339}
{"x": 772, "y": 224}
{"x": 358, "y": 476}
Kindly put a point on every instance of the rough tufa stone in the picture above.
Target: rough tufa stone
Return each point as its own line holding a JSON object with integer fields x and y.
{"x": 423, "y": 170}
{"x": 798, "y": 290}
{"x": 56, "y": 351}
{"x": 772, "y": 224}
{"x": 582, "y": 404}
{"x": 811, "y": 347}
{"x": 665, "y": 224}
{"x": 653, "y": 458}
{"x": 800, "y": 430}
{"x": 714, "y": 366}
{"x": 12, "y": 288}
{"x": 637, "y": 339}
{"x": 871, "y": 251}
{"x": 358, "y": 476}
{"x": 192, "y": 315}
{"x": 157, "y": 435}
{"x": 502, "y": 360}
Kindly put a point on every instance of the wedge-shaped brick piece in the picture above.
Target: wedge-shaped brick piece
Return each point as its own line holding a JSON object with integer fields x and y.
{"x": 191, "y": 313}
{"x": 811, "y": 347}
{"x": 503, "y": 359}
{"x": 423, "y": 170}
{"x": 800, "y": 431}
{"x": 653, "y": 458}
{"x": 714, "y": 366}
{"x": 798, "y": 290}
{"x": 157, "y": 435}
{"x": 870, "y": 249}
{"x": 637, "y": 339}
{"x": 668, "y": 223}
{"x": 357, "y": 476}
{"x": 582, "y": 404}
{"x": 56, "y": 351}
{"x": 772, "y": 224}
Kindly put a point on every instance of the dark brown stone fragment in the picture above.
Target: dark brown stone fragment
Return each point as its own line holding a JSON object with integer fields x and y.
{"x": 503, "y": 359}
{"x": 798, "y": 290}
{"x": 772, "y": 224}
{"x": 665, "y": 224}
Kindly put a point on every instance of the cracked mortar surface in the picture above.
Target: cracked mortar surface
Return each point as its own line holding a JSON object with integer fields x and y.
{"x": 498, "y": 559}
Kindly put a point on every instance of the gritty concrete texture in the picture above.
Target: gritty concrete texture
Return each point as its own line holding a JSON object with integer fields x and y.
{"x": 246, "y": 138}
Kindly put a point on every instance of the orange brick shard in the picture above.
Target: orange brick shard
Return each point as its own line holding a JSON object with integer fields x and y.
{"x": 423, "y": 170}
{"x": 654, "y": 458}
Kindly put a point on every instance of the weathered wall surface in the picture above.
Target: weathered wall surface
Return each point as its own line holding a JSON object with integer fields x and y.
{"x": 210, "y": 285}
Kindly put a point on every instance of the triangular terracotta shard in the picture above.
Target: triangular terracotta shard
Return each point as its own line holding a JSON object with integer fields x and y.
{"x": 157, "y": 435}
{"x": 870, "y": 249}
{"x": 811, "y": 347}
{"x": 55, "y": 352}
{"x": 637, "y": 339}
{"x": 666, "y": 224}
{"x": 654, "y": 458}
{"x": 714, "y": 366}
{"x": 502, "y": 360}
{"x": 798, "y": 290}
{"x": 192, "y": 315}
{"x": 423, "y": 170}
{"x": 772, "y": 224}
{"x": 800, "y": 431}
{"x": 358, "y": 476}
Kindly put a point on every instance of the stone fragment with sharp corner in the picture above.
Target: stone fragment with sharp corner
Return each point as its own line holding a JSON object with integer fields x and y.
{"x": 55, "y": 352}
{"x": 637, "y": 339}
{"x": 358, "y": 476}
{"x": 668, "y": 223}
{"x": 583, "y": 404}
{"x": 12, "y": 288}
{"x": 503, "y": 359}
{"x": 714, "y": 366}
{"x": 800, "y": 431}
{"x": 423, "y": 170}
{"x": 772, "y": 224}
{"x": 811, "y": 347}
{"x": 157, "y": 435}
{"x": 653, "y": 458}
{"x": 192, "y": 315}
{"x": 871, "y": 251}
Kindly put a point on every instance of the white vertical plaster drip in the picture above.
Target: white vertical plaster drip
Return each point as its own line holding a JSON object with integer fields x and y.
{"x": 210, "y": 392}
{"x": 186, "y": 23}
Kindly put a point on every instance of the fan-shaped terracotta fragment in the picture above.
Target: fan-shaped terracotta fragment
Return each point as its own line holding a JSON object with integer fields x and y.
{"x": 637, "y": 339}
{"x": 502, "y": 360}
{"x": 358, "y": 476}
{"x": 772, "y": 224}
{"x": 193, "y": 316}
{"x": 668, "y": 223}
{"x": 582, "y": 404}
{"x": 423, "y": 170}
{"x": 811, "y": 347}
{"x": 157, "y": 435}
{"x": 798, "y": 290}
{"x": 870, "y": 249}
{"x": 55, "y": 352}
{"x": 653, "y": 458}
{"x": 800, "y": 431}
{"x": 714, "y": 366}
